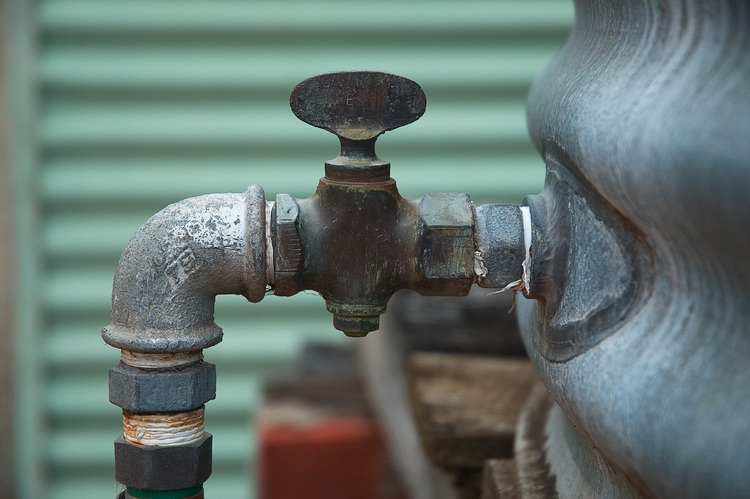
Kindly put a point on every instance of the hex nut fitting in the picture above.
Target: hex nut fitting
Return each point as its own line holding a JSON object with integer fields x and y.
{"x": 446, "y": 246}
{"x": 163, "y": 467}
{"x": 287, "y": 246}
{"x": 162, "y": 390}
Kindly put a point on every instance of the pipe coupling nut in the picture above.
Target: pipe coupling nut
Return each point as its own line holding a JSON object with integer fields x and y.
{"x": 162, "y": 390}
{"x": 163, "y": 468}
{"x": 446, "y": 245}
{"x": 287, "y": 246}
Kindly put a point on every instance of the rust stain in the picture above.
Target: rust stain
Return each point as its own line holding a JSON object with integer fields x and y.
{"x": 144, "y": 429}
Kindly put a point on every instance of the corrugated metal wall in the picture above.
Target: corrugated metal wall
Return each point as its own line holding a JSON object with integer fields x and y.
{"x": 143, "y": 103}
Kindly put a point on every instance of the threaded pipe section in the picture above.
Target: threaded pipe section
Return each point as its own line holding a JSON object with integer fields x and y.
{"x": 159, "y": 360}
{"x": 163, "y": 429}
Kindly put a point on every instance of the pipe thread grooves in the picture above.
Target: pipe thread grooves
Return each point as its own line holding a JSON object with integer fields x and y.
{"x": 160, "y": 360}
{"x": 163, "y": 429}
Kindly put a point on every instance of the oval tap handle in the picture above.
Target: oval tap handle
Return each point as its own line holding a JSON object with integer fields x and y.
{"x": 358, "y": 106}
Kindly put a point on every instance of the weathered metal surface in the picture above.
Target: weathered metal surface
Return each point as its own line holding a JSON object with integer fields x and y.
{"x": 175, "y": 265}
{"x": 646, "y": 108}
{"x": 287, "y": 245}
{"x": 500, "y": 243}
{"x": 162, "y": 303}
{"x": 358, "y": 105}
{"x": 356, "y": 244}
{"x": 162, "y": 390}
{"x": 163, "y": 468}
{"x": 356, "y": 240}
{"x": 590, "y": 270}
{"x": 547, "y": 464}
{"x": 160, "y": 360}
{"x": 446, "y": 244}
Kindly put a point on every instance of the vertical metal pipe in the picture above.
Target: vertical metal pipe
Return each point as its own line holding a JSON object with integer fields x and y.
{"x": 162, "y": 319}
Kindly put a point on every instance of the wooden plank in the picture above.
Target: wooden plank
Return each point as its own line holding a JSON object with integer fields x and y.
{"x": 467, "y": 406}
{"x": 499, "y": 480}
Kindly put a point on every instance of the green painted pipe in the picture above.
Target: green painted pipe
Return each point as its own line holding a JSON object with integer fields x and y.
{"x": 165, "y": 494}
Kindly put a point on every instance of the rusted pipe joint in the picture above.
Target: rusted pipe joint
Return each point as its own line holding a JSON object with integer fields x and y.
{"x": 356, "y": 240}
{"x": 446, "y": 244}
{"x": 356, "y": 243}
{"x": 501, "y": 249}
{"x": 173, "y": 389}
{"x": 175, "y": 265}
{"x": 162, "y": 318}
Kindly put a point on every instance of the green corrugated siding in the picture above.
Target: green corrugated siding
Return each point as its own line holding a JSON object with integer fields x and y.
{"x": 144, "y": 103}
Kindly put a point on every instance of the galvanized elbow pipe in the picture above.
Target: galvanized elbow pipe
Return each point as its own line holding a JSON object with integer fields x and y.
{"x": 175, "y": 265}
{"x": 355, "y": 241}
{"x": 162, "y": 319}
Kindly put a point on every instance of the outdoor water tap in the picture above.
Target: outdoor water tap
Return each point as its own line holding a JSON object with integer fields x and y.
{"x": 355, "y": 241}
